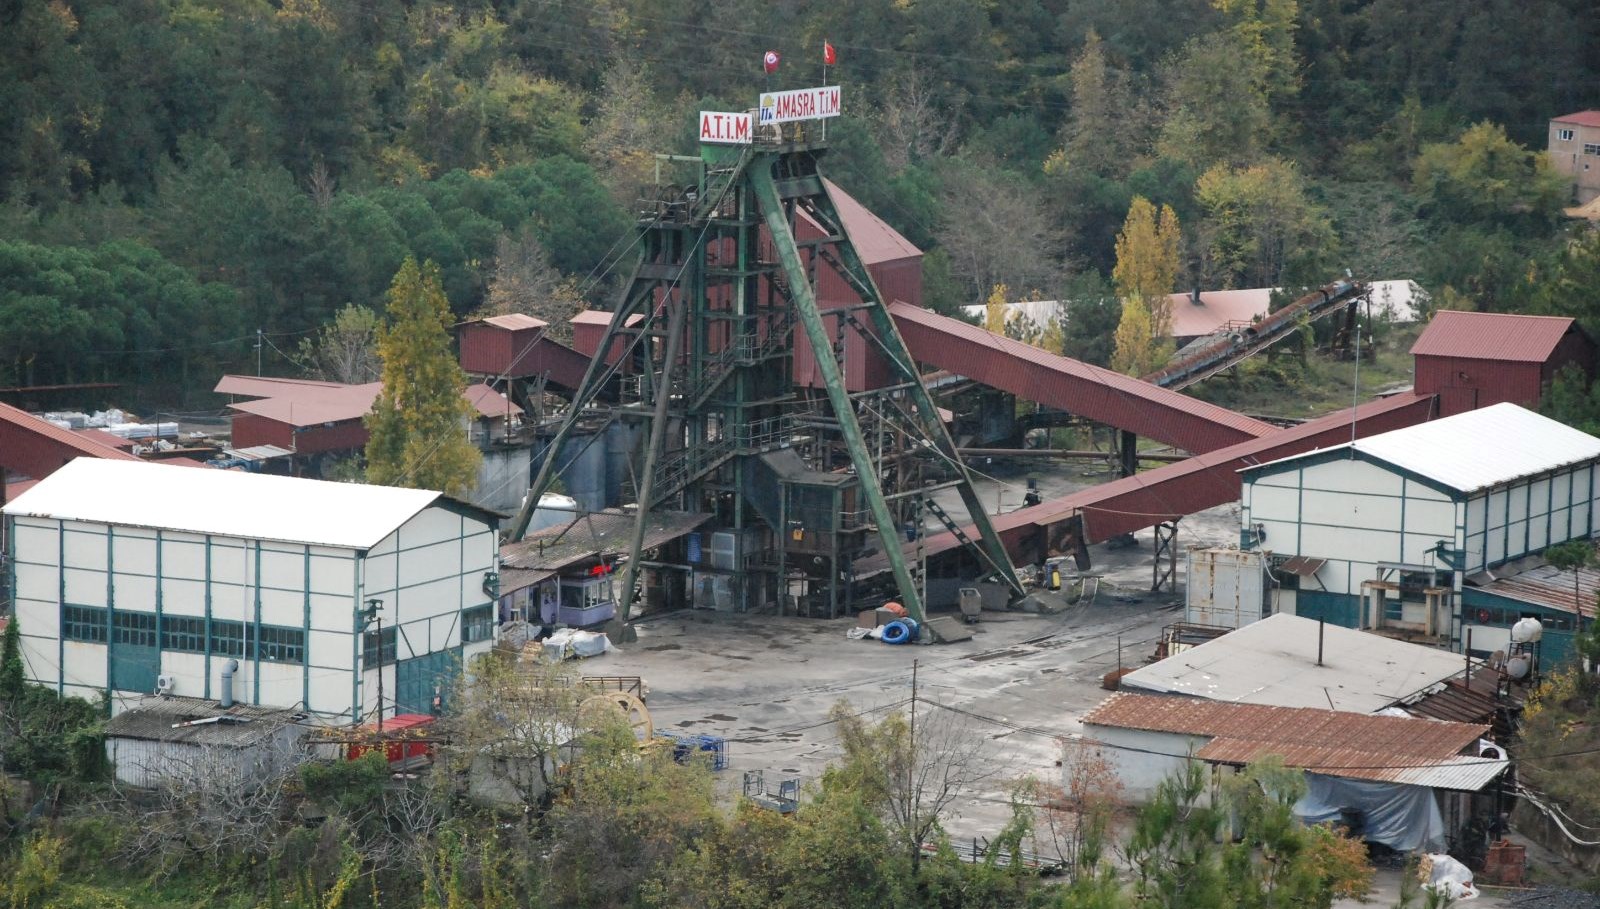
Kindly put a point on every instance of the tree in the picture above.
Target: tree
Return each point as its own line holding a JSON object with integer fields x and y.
{"x": 995, "y": 232}
{"x": 1574, "y": 556}
{"x": 417, "y": 427}
{"x": 1261, "y": 229}
{"x": 12, "y": 677}
{"x": 1099, "y": 137}
{"x": 1266, "y": 30}
{"x": 909, "y": 781}
{"x": 524, "y": 281}
{"x": 1147, "y": 261}
{"x": 345, "y": 349}
{"x": 1215, "y": 101}
{"x": 1486, "y": 178}
{"x": 996, "y": 314}
{"x": 1135, "y": 353}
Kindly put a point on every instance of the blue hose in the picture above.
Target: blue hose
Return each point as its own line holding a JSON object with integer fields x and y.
{"x": 900, "y": 631}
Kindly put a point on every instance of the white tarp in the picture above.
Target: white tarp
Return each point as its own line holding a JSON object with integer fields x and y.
{"x": 1404, "y": 818}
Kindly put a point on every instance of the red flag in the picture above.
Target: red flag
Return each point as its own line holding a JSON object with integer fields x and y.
{"x": 829, "y": 58}
{"x": 769, "y": 61}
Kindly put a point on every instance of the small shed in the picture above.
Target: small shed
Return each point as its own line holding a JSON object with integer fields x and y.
{"x": 174, "y": 739}
{"x": 500, "y": 345}
{"x": 1383, "y": 776}
{"x": 1475, "y": 359}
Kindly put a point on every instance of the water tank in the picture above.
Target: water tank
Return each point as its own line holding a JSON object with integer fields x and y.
{"x": 1527, "y": 631}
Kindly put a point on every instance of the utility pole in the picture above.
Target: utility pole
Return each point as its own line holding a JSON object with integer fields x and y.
{"x": 913, "y": 709}
{"x": 258, "y": 352}
{"x": 380, "y": 676}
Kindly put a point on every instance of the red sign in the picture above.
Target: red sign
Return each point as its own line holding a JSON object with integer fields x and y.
{"x": 722, "y": 128}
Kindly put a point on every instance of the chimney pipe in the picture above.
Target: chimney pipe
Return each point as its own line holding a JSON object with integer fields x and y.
{"x": 1194, "y": 296}
{"x": 228, "y": 669}
{"x": 1321, "y": 624}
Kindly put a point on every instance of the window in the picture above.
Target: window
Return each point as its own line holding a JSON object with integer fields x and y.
{"x": 376, "y": 651}
{"x": 477, "y": 624}
{"x": 134, "y": 629}
{"x": 83, "y": 623}
{"x": 184, "y": 633}
{"x": 1565, "y": 135}
{"x": 227, "y": 638}
{"x": 1590, "y": 148}
{"x": 282, "y": 645}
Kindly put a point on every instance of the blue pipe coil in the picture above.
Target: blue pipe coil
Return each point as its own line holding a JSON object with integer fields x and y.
{"x": 900, "y": 631}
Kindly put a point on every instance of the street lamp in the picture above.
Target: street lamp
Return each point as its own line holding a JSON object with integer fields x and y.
{"x": 370, "y": 615}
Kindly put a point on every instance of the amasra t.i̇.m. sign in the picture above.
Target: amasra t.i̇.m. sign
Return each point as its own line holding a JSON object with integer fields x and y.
{"x": 800, "y": 104}
{"x": 720, "y": 128}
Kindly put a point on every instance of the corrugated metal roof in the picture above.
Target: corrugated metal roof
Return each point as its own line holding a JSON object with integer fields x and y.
{"x": 266, "y": 386}
{"x": 874, "y": 240}
{"x": 515, "y": 321}
{"x": 1551, "y": 588}
{"x": 1216, "y": 309}
{"x": 1581, "y": 118}
{"x": 257, "y": 452}
{"x": 491, "y": 403}
{"x": 594, "y": 535}
{"x": 223, "y": 502}
{"x": 1336, "y": 743}
{"x": 105, "y": 438}
{"x": 305, "y": 404}
{"x": 237, "y": 726}
{"x": 1491, "y": 336}
{"x": 1478, "y": 449}
{"x": 1274, "y": 661}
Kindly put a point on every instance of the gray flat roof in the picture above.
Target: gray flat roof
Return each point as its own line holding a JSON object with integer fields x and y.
{"x": 1274, "y": 661}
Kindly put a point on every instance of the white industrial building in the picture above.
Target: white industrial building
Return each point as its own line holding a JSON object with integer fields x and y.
{"x": 1382, "y": 533}
{"x": 139, "y": 579}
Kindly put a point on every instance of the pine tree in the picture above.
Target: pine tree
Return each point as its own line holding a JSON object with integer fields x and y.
{"x": 12, "y": 677}
{"x": 417, "y": 428}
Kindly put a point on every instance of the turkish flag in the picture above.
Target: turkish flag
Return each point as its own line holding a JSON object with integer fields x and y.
{"x": 829, "y": 58}
{"x": 769, "y": 61}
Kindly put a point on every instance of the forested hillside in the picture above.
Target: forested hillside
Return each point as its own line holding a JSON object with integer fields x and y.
{"x": 175, "y": 174}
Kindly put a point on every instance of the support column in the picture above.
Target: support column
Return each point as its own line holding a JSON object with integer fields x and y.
{"x": 1167, "y": 546}
{"x": 1127, "y": 453}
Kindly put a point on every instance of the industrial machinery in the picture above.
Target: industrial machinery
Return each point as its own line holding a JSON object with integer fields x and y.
{"x": 718, "y": 343}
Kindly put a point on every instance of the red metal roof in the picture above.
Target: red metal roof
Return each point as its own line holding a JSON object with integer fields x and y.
{"x": 1339, "y": 743}
{"x": 1581, "y": 118}
{"x": 1071, "y": 385}
{"x": 105, "y": 438}
{"x": 1491, "y": 336}
{"x": 491, "y": 403}
{"x": 1216, "y": 309}
{"x": 35, "y": 448}
{"x": 874, "y": 240}
{"x": 303, "y": 403}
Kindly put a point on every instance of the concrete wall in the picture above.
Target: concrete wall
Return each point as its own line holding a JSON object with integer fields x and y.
{"x": 1143, "y": 760}
{"x": 1568, "y": 158}
{"x": 503, "y": 478}
{"x": 1353, "y": 513}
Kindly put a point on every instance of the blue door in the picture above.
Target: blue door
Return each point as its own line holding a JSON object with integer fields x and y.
{"x": 135, "y": 656}
{"x": 419, "y": 679}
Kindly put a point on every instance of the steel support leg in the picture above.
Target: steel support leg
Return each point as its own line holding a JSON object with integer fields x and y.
{"x": 1164, "y": 573}
{"x": 658, "y": 437}
{"x": 804, "y": 302}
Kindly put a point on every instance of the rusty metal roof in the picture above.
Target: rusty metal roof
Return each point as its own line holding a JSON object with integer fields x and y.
{"x": 1458, "y": 702}
{"x": 1581, "y": 118}
{"x": 598, "y": 534}
{"x": 305, "y": 403}
{"x": 1492, "y": 336}
{"x": 1412, "y": 750}
{"x": 1551, "y": 588}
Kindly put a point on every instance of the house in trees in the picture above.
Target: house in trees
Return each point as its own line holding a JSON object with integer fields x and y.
{"x": 1575, "y": 152}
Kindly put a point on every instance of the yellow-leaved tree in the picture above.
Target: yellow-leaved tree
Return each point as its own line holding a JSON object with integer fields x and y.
{"x": 995, "y": 312}
{"x": 1135, "y": 354}
{"x": 417, "y": 433}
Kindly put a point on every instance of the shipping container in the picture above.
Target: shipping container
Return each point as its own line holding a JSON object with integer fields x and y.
{"x": 1226, "y": 587}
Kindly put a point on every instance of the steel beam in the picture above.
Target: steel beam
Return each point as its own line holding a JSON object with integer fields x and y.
{"x": 804, "y": 302}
